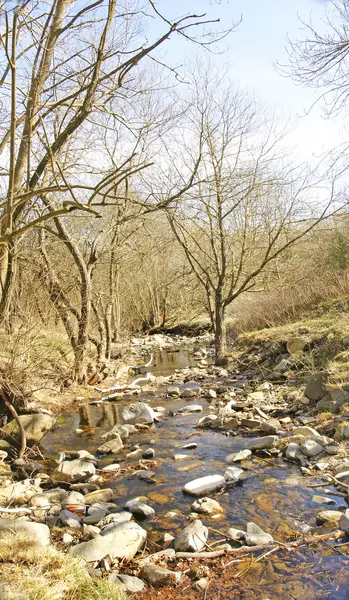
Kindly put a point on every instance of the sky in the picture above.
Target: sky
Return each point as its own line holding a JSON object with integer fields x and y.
{"x": 251, "y": 52}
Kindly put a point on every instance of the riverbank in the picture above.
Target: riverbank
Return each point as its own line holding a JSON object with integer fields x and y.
{"x": 261, "y": 438}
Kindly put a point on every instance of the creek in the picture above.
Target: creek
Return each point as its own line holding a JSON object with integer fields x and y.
{"x": 275, "y": 495}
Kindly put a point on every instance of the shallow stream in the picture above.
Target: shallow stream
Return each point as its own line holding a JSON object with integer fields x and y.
{"x": 274, "y": 496}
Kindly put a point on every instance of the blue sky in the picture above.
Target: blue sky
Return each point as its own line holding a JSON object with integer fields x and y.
{"x": 252, "y": 49}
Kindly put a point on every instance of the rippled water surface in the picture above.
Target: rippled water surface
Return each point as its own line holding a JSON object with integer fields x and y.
{"x": 274, "y": 496}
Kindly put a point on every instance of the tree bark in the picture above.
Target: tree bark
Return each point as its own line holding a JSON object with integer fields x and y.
{"x": 220, "y": 335}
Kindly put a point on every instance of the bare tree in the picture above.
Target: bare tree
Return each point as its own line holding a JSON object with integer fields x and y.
{"x": 321, "y": 58}
{"x": 247, "y": 206}
{"x": 64, "y": 67}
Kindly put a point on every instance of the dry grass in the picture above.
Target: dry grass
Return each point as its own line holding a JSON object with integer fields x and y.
{"x": 48, "y": 574}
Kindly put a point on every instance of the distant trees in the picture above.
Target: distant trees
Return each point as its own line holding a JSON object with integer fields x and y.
{"x": 247, "y": 206}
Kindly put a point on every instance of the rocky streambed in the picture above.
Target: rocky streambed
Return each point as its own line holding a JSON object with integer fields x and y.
{"x": 203, "y": 460}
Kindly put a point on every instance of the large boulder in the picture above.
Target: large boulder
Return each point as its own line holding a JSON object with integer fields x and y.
{"x": 122, "y": 541}
{"x": 35, "y": 427}
{"x": 192, "y": 538}
{"x": 36, "y": 532}
{"x": 138, "y": 413}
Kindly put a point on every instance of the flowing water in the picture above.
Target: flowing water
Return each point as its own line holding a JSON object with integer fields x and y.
{"x": 274, "y": 496}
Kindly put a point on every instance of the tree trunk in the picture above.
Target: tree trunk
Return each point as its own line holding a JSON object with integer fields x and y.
{"x": 80, "y": 350}
{"x": 220, "y": 335}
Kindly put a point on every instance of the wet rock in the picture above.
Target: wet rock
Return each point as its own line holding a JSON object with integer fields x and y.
{"x": 123, "y": 541}
{"x": 140, "y": 509}
{"x": 310, "y": 448}
{"x": 207, "y": 506}
{"x": 118, "y": 431}
{"x": 262, "y": 443}
{"x": 192, "y": 538}
{"x": 181, "y": 457}
{"x": 236, "y": 534}
{"x": 233, "y": 474}
{"x": 162, "y": 555}
{"x": 158, "y": 576}
{"x": 35, "y": 426}
{"x": 322, "y": 499}
{"x": 212, "y": 421}
{"x": 255, "y": 536}
{"x": 132, "y": 585}
{"x": 115, "y": 519}
{"x": 78, "y": 469}
{"x": 203, "y": 485}
{"x": 148, "y": 453}
{"x": 111, "y": 468}
{"x": 328, "y": 516}
{"x": 113, "y": 446}
{"x": 70, "y": 519}
{"x": 191, "y": 408}
{"x": 315, "y": 388}
{"x": 173, "y": 391}
{"x": 211, "y": 394}
{"x": 36, "y": 532}
{"x": 190, "y": 446}
{"x": 238, "y": 456}
{"x": 142, "y": 474}
{"x": 189, "y": 393}
{"x": 138, "y": 413}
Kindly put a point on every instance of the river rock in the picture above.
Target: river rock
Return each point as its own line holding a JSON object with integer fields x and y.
{"x": 344, "y": 522}
{"x": 262, "y": 443}
{"x": 3, "y": 455}
{"x": 210, "y": 394}
{"x": 310, "y": 448}
{"x": 173, "y": 391}
{"x": 123, "y": 541}
{"x": 95, "y": 514}
{"x": 113, "y": 446}
{"x": 255, "y": 536}
{"x": 189, "y": 393}
{"x": 158, "y": 576}
{"x": 138, "y": 413}
{"x": 115, "y": 519}
{"x": 328, "y": 516}
{"x": 315, "y": 388}
{"x": 104, "y": 495}
{"x": 70, "y": 519}
{"x": 18, "y": 493}
{"x": 141, "y": 509}
{"x": 39, "y": 501}
{"x": 306, "y": 431}
{"x": 73, "y": 498}
{"x": 294, "y": 452}
{"x": 192, "y": 538}
{"x": 111, "y": 468}
{"x": 236, "y": 534}
{"x": 270, "y": 427}
{"x": 36, "y": 532}
{"x": 207, "y": 506}
{"x": 233, "y": 474}
{"x": 132, "y": 585}
{"x": 209, "y": 421}
{"x": 78, "y": 469}
{"x": 203, "y": 485}
{"x": 238, "y": 456}
{"x": 191, "y": 408}
{"x": 118, "y": 431}
{"x": 35, "y": 426}
{"x": 190, "y": 446}
{"x": 148, "y": 453}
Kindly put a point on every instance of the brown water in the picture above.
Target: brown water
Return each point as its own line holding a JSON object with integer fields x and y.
{"x": 274, "y": 496}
